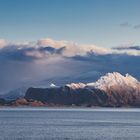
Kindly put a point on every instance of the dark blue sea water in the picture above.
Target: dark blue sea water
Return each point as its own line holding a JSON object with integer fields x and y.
{"x": 69, "y": 124}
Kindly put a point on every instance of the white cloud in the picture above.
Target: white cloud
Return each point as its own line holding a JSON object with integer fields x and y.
{"x": 71, "y": 48}
{"x": 2, "y": 43}
{"x": 35, "y": 53}
{"x": 51, "y": 42}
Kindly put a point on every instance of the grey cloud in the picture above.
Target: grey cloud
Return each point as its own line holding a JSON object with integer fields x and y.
{"x": 127, "y": 48}
{"x": 137, "y": 26}
{"x": 113, "y": 62}
{"x": 125, "y": 24}
{"x": 27, "y": 53}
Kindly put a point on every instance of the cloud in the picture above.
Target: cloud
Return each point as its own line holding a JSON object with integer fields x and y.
{"x": 125, "y": 24}
{"x": 2, "y": 43}
{"x": 47, "y": 48}
{"x": 48, "y": 60}
{"x": 28, "y": 52}
{"x": 137, "y": 48}
{"x": 51, "y": 42}
{"x": 71, "y": 49}
{"x": 133, "y": 50}
{"x": 137, "y": 26}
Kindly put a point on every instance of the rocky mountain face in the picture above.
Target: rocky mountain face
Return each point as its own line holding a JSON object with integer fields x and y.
{"x": 121, "y": 90}
{"x": 113, "y": 90}
{"x": 67, "y": 96}
{"x": 2, "y": 101}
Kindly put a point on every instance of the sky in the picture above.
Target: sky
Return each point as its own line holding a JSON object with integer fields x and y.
{"x": 64, "y": 41}
{"x": 105, "y": 23}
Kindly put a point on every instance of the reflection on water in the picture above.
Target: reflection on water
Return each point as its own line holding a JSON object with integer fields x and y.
{"x": 69, "y": 124}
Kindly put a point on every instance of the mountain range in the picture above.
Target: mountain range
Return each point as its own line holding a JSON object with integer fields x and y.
{"x": 111, "y": 90}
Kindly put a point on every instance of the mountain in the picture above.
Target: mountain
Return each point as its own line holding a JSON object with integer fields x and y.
{"x": 121, "y": 90}
{"x": 66, "y": 95}
{"x": 113, "y": 90}
{"x": 2, "y": 101}
{"x": 14, "y": 94}
{"x": 116, "y": 80}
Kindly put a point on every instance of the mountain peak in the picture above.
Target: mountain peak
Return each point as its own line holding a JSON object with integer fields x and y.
{"x": 107, "y": 81}
{"x": 52, "y": 85}
{"x": 114, "y": 79}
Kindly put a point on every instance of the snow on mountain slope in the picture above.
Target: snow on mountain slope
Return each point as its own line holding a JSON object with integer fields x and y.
{"x": 76, "y": 85}
{"x": 52, "y": 85}
{"x": 114, "y": 79}
{"x": 109, "y": 82}
{"x": 120, "y": 89}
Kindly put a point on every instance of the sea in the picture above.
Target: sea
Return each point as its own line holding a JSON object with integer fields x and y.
{"x": 42, "y": 123}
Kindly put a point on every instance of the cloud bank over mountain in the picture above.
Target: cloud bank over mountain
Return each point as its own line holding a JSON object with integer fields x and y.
{"x": 49, "y": 60}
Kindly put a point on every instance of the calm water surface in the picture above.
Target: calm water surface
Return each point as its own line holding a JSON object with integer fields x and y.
{"x": 69, "y": 124}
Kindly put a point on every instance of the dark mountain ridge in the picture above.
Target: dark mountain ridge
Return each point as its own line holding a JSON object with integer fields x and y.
{"x": 67, "y": 96}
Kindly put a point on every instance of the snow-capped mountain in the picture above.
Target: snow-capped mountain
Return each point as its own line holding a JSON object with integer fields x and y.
{"x": 115, "y": 79}
{"x": 112, "y": 90}
{"x": 108, "y": 81}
